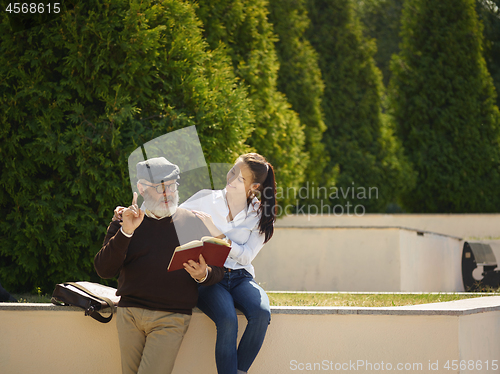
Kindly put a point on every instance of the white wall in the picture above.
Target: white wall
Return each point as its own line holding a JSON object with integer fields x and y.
{"x": 476, "y": 346}
{"x": 46, "y": 339}
{"x": 359, "y": 259}
{"x": 461, "y": 225}
{"x": 473, "y": 227}
{"x": 430, "y": 263}
{"x": 330, "y": 260}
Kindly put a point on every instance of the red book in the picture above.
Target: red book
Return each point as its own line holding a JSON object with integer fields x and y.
{"x": 214, "y": 251}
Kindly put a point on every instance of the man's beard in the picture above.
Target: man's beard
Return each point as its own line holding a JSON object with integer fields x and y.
{"x": 158, "y": 207}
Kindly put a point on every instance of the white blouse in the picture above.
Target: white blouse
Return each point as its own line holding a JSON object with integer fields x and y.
{"x": 243, "y": 230}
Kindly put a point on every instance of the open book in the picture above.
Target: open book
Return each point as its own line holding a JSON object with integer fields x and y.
{"x": 214, "y": 251}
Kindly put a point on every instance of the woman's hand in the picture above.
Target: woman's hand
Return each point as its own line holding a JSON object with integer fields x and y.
{"x": 209, "y": 223}
{"x": 197, "y": 270}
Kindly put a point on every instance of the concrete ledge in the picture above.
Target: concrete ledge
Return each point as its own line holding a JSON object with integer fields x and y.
{"x": 37, "y": 306}
{"x": 459, "y": 225}
{"x": 451, "y": 308}
{"x": 353, "y": 227}
{"x": 42, "y": 338}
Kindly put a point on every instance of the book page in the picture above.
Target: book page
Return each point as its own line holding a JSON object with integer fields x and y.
{"x": 211, "y": 239}
{"x": 191, "y": 244}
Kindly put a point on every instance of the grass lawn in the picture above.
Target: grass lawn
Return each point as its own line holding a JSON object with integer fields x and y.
{"x": 365, "y": 299}
{"x": 331, "y": 299}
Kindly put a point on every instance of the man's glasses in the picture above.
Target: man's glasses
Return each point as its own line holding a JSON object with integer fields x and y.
{"x": 163, "y": 187}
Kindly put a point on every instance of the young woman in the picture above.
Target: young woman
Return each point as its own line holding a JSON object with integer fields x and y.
{"x": 235, "y": 213}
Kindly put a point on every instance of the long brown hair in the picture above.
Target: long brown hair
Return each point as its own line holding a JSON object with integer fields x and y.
{"x": 263, "y": 173}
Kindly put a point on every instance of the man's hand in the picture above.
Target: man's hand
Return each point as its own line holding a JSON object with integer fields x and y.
{"x": 197, "y": 270}
{"x": 132, "y": 217}
{"x": 117, "y": 213}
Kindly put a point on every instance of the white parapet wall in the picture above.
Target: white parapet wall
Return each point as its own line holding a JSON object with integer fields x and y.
{"x": 361, "y": 259}
{"x": 484, "y": 228}
{"x": 460, "y": 225}
{"x": 431, "y": 338}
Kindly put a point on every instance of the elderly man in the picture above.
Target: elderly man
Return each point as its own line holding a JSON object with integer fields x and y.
{"x": 155, "y": 306}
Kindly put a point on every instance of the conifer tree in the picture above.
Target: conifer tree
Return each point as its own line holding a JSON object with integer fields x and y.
{"x": 299, "y": 78}
{"x": 243, "y": 28}
{"x": 382, "y": 21}
{"x": 77, "y": 95}
{"x": 489, "y": 14}
{"x": 372, "y": 169}
{"x": 443, "y": 101}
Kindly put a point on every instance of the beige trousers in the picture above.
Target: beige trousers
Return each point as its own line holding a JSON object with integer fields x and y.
{"x": 149, "y": 339}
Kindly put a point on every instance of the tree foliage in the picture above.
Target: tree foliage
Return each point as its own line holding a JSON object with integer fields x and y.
{"x": 489, "y": 14}
{"x": 243, "y": 28}
{"x": 359, "y": 140}
{"x": 77, "y": 95}
{"x": 299, "y": 78}
{"x": 382, "y": 21}
{"x": 443, "y": 101}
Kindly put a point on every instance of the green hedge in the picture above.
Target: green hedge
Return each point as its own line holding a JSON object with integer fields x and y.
{"x": 443, "y": 100}
{"x": 77, "y": 95}
{"x": 489, "y": 15}
{"x": 243, "y": 29}
{"x": 382, "y": 21}
{"x": 372, "y": 170}
{"x": 299, "y": 78}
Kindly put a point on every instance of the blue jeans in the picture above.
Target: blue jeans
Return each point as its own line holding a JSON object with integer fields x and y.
{"x": 237, "y": 289}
